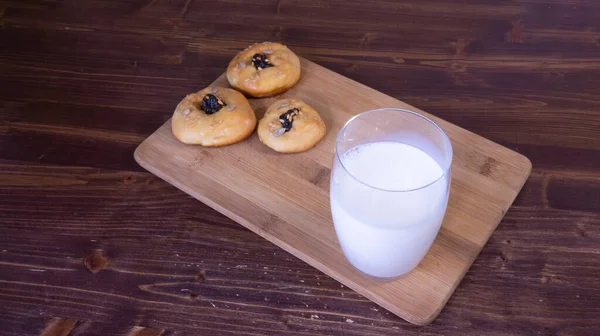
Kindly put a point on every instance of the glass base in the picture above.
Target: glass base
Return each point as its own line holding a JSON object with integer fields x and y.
{"x": 382, "y": 279}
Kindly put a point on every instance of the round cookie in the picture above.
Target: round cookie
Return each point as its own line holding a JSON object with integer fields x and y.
{"x": 215, "y": 116}
{"x": 264, "y": 69}
{"x": 291, "y": 126}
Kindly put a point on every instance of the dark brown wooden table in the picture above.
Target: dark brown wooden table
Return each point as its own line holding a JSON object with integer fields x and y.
{"x": 91, "y": 244}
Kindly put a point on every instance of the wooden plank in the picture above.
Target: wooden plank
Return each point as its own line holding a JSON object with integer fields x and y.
{"x": 167, "y": 240}
{"x": 247, "y": 183}
{"x": 143, "y": 331}
{"x": 59, "y": 327}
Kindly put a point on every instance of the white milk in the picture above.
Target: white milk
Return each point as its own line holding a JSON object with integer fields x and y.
{"x": 387, "y": 233}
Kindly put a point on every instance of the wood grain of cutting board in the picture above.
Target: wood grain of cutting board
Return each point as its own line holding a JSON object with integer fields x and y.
{"x": 285, "y": 197}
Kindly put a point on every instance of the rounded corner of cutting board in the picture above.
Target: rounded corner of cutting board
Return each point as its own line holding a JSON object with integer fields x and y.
{"x": 138, "y": 154}
{"x": 423, "y": 319}
{"x": 527, "y": 164}
{"x": 525, "y": 168}
{"x": 141, "y": 151}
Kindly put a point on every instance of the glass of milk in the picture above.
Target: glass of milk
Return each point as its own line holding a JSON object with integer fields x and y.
{"x": 389, "y": 189}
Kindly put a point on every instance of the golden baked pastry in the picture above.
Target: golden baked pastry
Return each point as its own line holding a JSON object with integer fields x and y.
{"x": 215, "y": 116}
{"x": 264, "y": 69}
{"x": 291, "y": 126}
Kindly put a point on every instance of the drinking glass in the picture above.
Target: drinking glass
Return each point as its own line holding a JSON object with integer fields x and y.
{"x": 390, "y": 183}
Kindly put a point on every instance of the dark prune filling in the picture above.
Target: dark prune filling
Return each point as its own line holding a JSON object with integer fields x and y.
{"x": 287, "y": 118}
{"x": 260, "y": 61}
{"x": 211, "y": 104}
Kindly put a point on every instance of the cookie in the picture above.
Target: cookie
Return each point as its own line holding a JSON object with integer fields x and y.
{"x": 264, "y": 70}
{"x": 291, "y": 126}
{"x": 215, "y": 116}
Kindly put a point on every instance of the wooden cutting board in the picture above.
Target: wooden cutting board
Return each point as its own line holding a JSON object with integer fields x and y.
{"x": 285, "y": 198}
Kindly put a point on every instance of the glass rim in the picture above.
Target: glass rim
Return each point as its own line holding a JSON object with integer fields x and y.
{"x": 445, "y": 169}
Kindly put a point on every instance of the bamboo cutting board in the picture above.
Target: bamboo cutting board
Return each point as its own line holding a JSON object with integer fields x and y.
{"x": 285, "y": 197}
